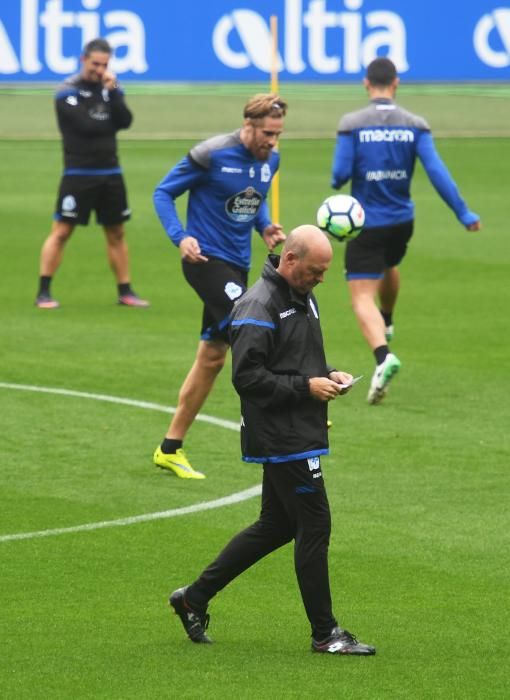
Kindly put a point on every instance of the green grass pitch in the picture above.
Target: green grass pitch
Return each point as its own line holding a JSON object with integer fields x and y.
{"x": 418, "y": 486}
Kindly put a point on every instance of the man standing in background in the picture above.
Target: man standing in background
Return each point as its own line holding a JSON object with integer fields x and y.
{"x": 90, "y": 110}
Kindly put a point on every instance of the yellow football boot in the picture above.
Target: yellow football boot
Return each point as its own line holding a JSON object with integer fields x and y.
{"x": 176, "y": 462}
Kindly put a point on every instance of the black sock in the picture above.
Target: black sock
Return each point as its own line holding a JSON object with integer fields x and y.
{"x": 124, "y": 288}
{"x": 380, "y": 353}
{"x": 169, "y": 446}
{"x": 388, "y": 317}
{"x": 44, "y": 285}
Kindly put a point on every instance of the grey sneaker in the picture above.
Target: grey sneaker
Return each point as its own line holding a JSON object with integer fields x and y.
{"x": 194, "y": 622}
{"x": 381, "y": 378}
{"x": 342, "y": 642}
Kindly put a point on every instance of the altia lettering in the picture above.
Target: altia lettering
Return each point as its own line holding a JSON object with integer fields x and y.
{"x": 496, "y": 26}
{"x": 346, "y": 29}
{"x": 128, "y": 33}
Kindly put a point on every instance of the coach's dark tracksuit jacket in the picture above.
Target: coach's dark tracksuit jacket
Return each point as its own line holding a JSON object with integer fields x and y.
{"x": 89, "y": 117}
{"x": 276, "y": 346}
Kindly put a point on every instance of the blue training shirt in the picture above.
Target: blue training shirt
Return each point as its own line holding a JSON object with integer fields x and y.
{"x": 227, "y": 189}
{"x": 376, "y": 148}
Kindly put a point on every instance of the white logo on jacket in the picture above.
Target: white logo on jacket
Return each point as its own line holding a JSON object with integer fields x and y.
{"x": 289, "y": 312}
{"x": 314, "y": 309}
{"x": 265, "y": 173}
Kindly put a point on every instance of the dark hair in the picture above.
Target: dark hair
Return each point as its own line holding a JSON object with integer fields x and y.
{"x": 381, "y": 71}
{"x": 100, "y": 45}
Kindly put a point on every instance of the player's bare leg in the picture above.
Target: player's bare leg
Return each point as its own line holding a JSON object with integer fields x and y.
{"x": 53, "y": 247}
{"x": 389, "y": 289}
{"x": 51, "y": 257}
{"x": 388, "y": 293}
{"x": 363, "y": 296}
{"x": 117, "y": 251}
{"x": 371, "y": 323}
{"x": 118, "y": 257}
{"x": 209, "y": 362}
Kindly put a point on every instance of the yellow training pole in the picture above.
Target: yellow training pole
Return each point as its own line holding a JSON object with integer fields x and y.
{"x": 275, "y": 184}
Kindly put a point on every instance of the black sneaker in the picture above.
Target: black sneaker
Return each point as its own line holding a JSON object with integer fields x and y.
{"x": 195, "y": 623}
{"x": 342, "y": 642}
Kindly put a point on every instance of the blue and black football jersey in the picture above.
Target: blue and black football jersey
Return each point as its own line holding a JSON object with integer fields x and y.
{"x": 227, "y": 188}
{"x": 376, "y": 148}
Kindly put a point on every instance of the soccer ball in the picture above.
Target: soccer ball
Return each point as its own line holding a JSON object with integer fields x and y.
{"x": 342, "y": 216}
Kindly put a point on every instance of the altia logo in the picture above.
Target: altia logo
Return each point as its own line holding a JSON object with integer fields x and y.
{"x": 356, "y": 36}
{"x": 491, "y": 38}
{"x": 50, "y": 20}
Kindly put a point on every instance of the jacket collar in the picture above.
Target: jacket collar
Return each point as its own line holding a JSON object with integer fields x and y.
{"x": 269, "y": 272}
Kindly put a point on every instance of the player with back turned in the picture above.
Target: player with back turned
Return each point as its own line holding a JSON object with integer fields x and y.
{"x": 376, "y": 148}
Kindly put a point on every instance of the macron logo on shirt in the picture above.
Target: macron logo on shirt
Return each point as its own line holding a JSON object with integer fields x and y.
{"x": 289, "y": 312}
{"x": 389, "y": 135}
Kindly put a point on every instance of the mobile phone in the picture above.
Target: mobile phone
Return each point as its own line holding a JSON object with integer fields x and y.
{"x": 354, "y": 380}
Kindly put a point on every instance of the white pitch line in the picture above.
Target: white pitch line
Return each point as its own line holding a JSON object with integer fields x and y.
{"x": 230, "y": 425}
{"x": 197, "y": 507}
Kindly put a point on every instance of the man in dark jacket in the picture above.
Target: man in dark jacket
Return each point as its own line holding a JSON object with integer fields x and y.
{"x": 90, "y": 111}
{"x": 280, "y": 372}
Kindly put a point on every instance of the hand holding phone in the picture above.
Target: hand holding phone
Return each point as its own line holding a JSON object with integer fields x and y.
{"x": 352, "y": 383}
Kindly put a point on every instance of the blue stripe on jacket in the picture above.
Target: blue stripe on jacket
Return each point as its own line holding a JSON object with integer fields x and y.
{"x": 287, "y": 458}
{"x": 253, "y": 322}
{"x": 93, "y": 171}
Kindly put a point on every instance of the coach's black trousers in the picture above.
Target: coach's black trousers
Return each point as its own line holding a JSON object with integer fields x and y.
{"x": 294, "y": 507}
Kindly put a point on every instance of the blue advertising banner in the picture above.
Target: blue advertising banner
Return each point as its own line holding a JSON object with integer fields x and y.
{"x": 227, "y": 40}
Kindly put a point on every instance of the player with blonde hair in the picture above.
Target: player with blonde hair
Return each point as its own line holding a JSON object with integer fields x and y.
{"x": 228, "y": 178}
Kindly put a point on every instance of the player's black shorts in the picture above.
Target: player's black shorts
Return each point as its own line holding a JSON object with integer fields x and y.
{"x": 79, "y": 194}
{"x": 375, "y": 249}
{"x": 218, "y": 284}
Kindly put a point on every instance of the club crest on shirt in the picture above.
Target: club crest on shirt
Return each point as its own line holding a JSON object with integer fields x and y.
{"x": 265, "y": 173}
{"x": 244, "y": 205}
{"x": 99, "y": 112}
